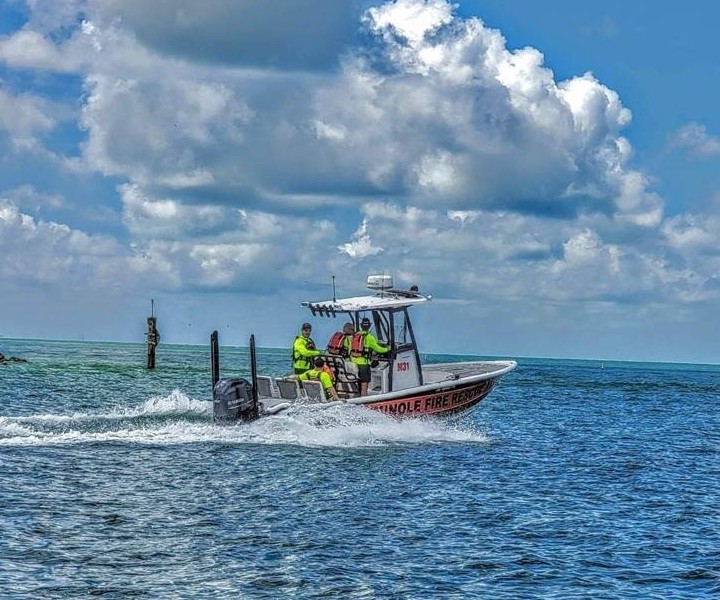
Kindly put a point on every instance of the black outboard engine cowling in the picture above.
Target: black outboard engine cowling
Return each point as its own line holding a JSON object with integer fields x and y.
{"x": 233, "y": 400}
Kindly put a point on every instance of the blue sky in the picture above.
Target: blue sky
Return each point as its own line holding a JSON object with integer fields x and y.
{"x": 546, "y": 170}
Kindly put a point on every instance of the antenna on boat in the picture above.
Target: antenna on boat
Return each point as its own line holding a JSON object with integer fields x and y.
{"x": 333, "y": 284}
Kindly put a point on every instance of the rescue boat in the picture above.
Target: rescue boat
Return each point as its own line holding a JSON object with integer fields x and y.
{"x": 400, "y": 385}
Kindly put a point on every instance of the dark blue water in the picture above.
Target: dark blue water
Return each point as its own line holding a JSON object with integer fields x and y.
{"x": 574, "y": 479}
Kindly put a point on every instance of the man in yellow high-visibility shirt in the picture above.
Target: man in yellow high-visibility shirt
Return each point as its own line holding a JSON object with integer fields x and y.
{"x": 304, "y": 350}
{"x": 361, "y": 345}
{"x": 318, "y": 373}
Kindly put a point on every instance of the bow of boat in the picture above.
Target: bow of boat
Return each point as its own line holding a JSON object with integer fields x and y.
{"x": 468, "y": 371}
{"x": 450, "y": 389}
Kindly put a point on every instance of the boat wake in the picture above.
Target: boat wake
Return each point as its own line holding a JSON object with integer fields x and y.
{"x": 178, "y": 419}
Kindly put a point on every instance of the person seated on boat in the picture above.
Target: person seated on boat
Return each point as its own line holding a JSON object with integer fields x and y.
{"x": 317, "y": 373}
{"x": 304, "y": 350}
{"x": 328, "y": 369}
{"x": 362, "y": 344}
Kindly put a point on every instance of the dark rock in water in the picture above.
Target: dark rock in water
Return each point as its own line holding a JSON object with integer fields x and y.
{"x": 8, "y": 359}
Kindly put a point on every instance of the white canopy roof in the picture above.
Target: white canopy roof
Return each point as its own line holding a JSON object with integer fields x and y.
{"x": 382, "y": 301}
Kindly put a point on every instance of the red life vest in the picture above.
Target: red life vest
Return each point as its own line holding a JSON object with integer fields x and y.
{"x": 336, "y": 345}
{"x": 357, "y": 345}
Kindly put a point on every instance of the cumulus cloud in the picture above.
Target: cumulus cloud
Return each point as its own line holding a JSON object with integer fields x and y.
{"x": 506, "y": 259}
{"x": 25, "y": 118}
{"x": 361, "y": 246}
{"x": 27, "y": 198}
{"x": 162, "y": 132}
{"x": 259, "y": 248}
{"x": 693, "y": 233}
{"x": 37, "y": 252}
{"x": 282, "y": 35}
{"x": 153, "y": 218}
{"x": 694, "y": 138}
{"x": 446, "y": 114}
{"x": 263, "y": 141}
{"x": 29, "y": 49}
{"x": 441, "y": 113}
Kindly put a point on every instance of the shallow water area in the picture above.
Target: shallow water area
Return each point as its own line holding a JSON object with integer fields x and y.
{"x": 573, "y": 479}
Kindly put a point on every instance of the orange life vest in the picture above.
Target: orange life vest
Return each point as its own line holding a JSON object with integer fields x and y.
{"x": 329, "y": 371}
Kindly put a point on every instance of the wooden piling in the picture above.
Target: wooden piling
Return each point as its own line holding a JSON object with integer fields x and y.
{"x": 153, "y": 336}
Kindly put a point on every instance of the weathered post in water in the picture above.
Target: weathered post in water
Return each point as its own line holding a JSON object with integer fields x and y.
{"x": 153, "y": 336}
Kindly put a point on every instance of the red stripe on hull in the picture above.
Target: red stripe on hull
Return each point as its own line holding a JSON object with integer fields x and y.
{"x": 446, "y": 402}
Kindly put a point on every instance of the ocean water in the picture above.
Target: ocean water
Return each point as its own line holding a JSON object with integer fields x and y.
{"x": 573, "y": 479}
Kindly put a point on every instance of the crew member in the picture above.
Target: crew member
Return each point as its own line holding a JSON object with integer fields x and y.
{"x": 304, "y": 350}
{"x": 362, "y": 344}
{"x": 339, "y": 343}
{"x": 318, "y": 373}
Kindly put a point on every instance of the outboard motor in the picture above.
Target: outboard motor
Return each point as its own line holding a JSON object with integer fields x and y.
{"x": 233, "y": 400}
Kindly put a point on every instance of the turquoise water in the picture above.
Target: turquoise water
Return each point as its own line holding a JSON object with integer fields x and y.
{"x": 574, "y": 479}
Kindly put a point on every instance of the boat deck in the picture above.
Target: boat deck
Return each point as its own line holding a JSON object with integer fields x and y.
{"x": 450, "y": 371}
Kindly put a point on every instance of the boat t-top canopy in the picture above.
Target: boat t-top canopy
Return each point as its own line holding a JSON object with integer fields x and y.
{"x": 385, "y": 298}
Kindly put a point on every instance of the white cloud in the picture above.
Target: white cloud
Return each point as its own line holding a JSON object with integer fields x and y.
{"x": 259, "y": 155}
{"x": 693, "y": 233}
{"x": 57, "y": 17}
{"x": 161, "y": 130}
{"x": 150, "y": 218}
{"x": 506, "y": 259}
{"x": 695, "y": 138}
{"x": 29, "y": 49}
{"x": 361, "y": 246}
{"x": 25, "y": 117}
{"x": 41, "y": 45}
{"x": 585, "y": 248}
{"x": 27, "y": 198}
{"x": 37, "y": 252}
{"x": 409, "y": 19}
{"x": 260, "y": 248}
{"x": 281, "y": 35}
{"x": 453, "y": 118}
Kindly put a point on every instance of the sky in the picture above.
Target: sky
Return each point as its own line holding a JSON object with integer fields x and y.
{"x": 547, "y": 171}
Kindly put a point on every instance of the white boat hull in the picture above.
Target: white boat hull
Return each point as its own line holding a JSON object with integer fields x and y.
{"x": 454, "y": 388}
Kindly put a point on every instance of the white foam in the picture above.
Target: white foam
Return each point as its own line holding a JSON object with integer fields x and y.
{"x": 177, "y": 403}
{"x": 9, "y": 428}
{"x": 355, "y": 426}
{"x": 173, "y": 420}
